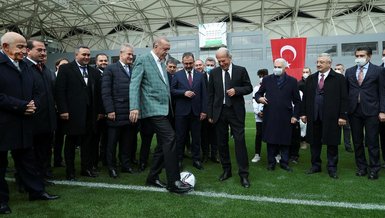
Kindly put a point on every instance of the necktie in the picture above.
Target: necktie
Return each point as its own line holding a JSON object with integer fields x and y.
{"x": 190, "y": 80}
{"x": 127, "y": 69}
{"x": 84, "y": 73}
{"x": 227, "y": 87}
{"x": 321, "y": 82}
{"x": 40, "y": 66}
{"x": 360, "y": 76}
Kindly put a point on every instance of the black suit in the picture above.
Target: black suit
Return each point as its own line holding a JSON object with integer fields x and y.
{"x": 323, "y": 108}
{"x": 17, "y": 89}
{"x": 223, "y": 116}
{"x": 115, "y": 95}
{"x": 83, "y": 103}
{"x": 364, "y": 111}
{"x": 45, "y": 119}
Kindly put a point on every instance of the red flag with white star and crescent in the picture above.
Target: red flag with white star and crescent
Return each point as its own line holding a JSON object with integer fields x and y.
{"x": 293, "y": 50}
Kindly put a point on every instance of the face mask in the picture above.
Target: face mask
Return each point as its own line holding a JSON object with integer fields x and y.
{"x": 260, "y": 80}
{"x": 383, "y": 59}
{"x": 360, "y": 61}
{"x": 305, "y": 75}
{"x": 208, "y": 69}
{"x": 277, "y": 71}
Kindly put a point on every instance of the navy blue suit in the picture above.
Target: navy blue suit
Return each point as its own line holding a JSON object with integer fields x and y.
{"x": 283, "y": 104}
{"x": 188, "y": 110}
{"x": 17, "y": 89}
{"x": 364, "y": 113}
{"x": 115, "y": 95}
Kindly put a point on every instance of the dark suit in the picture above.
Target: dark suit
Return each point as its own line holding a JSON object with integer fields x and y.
{"x": 83, "y": 103}
{"x": 283, "y": 103}
{"x": 382, "y": 133}
{"x": 364, "y": 114}
{"x": 17, "y": 89}
{"x": 188, "y": 110}
{"x": 323, "y": 108}
{"x": 115, "y": 95}
{"x": 223, "y": 116}
{"x": 208, "y": 136}
{"x": 44, "y": 119}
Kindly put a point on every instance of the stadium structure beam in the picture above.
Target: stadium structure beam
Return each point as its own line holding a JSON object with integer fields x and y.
{"x": 230, "y": 16}
{"x": 262, "y": 15}
{"x": 198, "y": 8}
{"x": 170, "y": 19}
{"x": 294, "y": 31}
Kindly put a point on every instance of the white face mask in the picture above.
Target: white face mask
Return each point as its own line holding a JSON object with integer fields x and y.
{"x": 383, "y": 59}
{"x": 277, "y": 71}
{"x": 305, "y": 75}
{"x": 208, "y": 69}
{"x": 360, "y": 61}
{"x": 260, "y": 80}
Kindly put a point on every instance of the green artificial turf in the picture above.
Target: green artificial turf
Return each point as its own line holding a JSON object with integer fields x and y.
{"x": 79, "y": 201}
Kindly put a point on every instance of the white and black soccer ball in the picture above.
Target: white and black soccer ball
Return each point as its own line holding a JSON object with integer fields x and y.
{"x": 188, "y": 178}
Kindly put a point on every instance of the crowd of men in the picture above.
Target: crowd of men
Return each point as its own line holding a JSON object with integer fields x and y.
{"x": 99, "y": 108}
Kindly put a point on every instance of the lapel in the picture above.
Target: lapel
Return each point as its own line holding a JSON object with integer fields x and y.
{"x": 156, "y": 69}
{"x": 368, "y": 73}
{"x": 195, "y": 78}
{"x": 185, "y": 78}
{"x": 122, "y": 69}
{"x": 9, "y": 62}
{"x": 78, "y": 74}
{"x": 353, "y": 77}
{"x": 314, "y": 83}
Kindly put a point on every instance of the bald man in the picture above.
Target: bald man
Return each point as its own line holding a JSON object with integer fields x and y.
{"x": 17, "y": 105}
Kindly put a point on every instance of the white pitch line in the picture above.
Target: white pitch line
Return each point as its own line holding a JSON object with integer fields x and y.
{"x": 256, "y": 198}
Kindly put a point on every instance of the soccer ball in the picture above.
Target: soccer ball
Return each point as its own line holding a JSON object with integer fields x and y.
{"x": 188, "y": 178}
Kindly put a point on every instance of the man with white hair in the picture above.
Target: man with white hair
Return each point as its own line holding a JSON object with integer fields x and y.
{"x": 17, "y": 105}
{"x": 227, "y": 86}
{"x": 324, "y": 109}
{"x": 280, "y": 95}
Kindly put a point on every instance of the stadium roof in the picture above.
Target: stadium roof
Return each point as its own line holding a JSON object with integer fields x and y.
{"x": 105, "y": 24}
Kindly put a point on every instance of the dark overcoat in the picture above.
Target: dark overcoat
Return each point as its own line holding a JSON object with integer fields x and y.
{"x": 283, "y": 104}
{"x": 77, "y": 98}
{"x": 17, "y": 89}
{"x": 334, "y": 106}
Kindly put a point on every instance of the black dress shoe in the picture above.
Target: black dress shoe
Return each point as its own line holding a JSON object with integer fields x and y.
{"x": 113, "y": 173}
{"x": 142, "y": 167}
{"x": 313, "y": 170}
{"x": 287, "y": 168}
{"x": 179, "y": 187}
{"x": 270, "y": 167}
{"x": 61, "y": 164}
{"x": 156, "y": 183}
{"x": 205, "y": 158}
{"x": 245, "y": 182}
{"x": 361, "y": 173}
{"x": 88, "y": 173}
{"x": 44, "y": 197}
{"x": 373, "y": 176}
{"x": 134, "y": 162}
{"x": 71, "y": 177}
{"x": 215, "y": 159}
{"x": 225, "y": 175}
{"x": 127, "y": 170}
{"x": 333, "y": 175}
{"x": 4, "y": 208}
{"x": 349, "y": 149}
{"x": 197, "y": 164}
{"x": 48, "y": 183}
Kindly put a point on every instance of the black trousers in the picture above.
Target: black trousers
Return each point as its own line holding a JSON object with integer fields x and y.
{"x": 273, "y": 150}
{"x": 184, "y": 125}
{"x": 208, "y": 139}
{"x": 359, "y": 122}
{"x": 146, "y": 134}
{"x": 228, "y": 117}
{"x": 295, "y": 141}
{"x": 165, "y": 154}
{"x": 25, "y": 166}
{"x": 316, "y": 148}
{"x": 347, "y": 135}
{"x": 382, "y": 139}
{"x": 58, "y": 142}
{"x": 42, "y": 146}
{"x": 125, "y": 135}
{"x": 101, "y": 141}
{"x": 258, "y": 137}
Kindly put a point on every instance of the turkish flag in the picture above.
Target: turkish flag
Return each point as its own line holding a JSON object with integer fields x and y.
{"x": 293, "y": 50}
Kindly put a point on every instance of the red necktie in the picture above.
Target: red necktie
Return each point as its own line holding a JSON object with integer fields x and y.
{"x": 321, "y": 82}
{"x": 40, "y": 66}
{"x": 190, "y": 80}
{"x": 360, "y": 76}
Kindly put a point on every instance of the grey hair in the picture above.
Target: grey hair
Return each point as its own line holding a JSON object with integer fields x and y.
{"x": 211, "y": 59}
{"x": 124, "y": 46}
{"x": 159, "y": 41}
{"x": 224, "y": 50}
{"x": 282, "y": 61}
{"x": 326, "y": 55}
